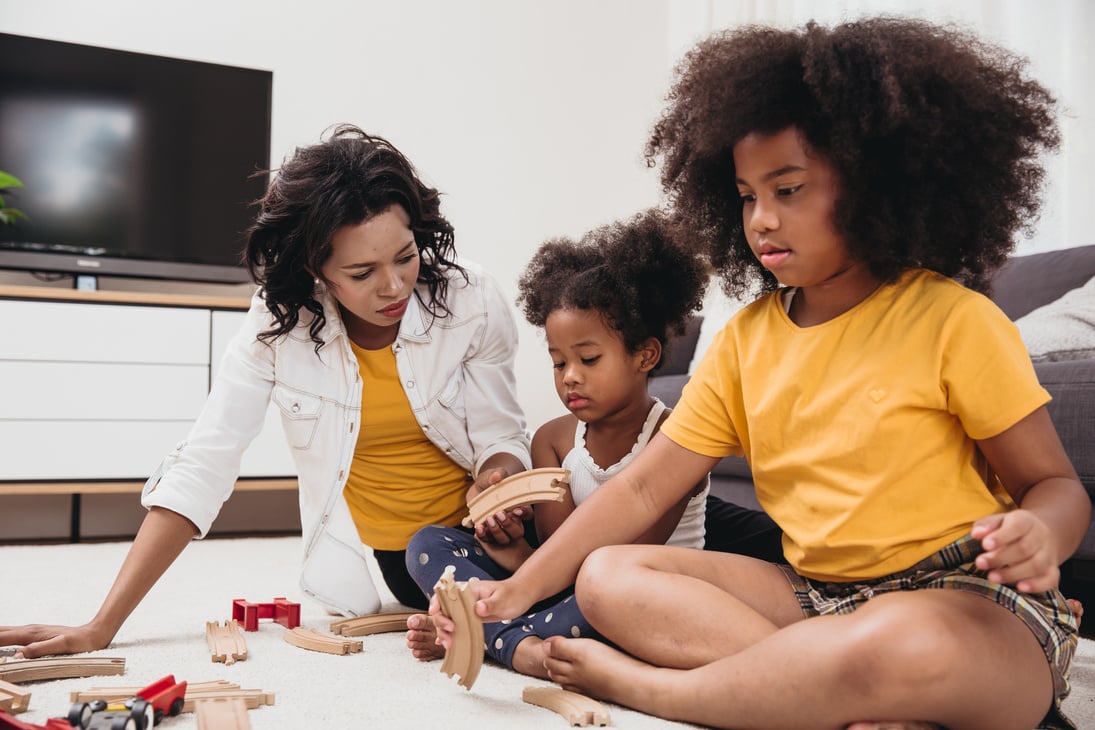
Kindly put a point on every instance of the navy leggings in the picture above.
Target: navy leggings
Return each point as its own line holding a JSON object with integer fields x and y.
{"x": 434, "y": 548}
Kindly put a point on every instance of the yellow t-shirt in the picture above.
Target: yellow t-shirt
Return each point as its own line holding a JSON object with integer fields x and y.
{"x": 859, "y": 430}
{"x": 399, "y": 480}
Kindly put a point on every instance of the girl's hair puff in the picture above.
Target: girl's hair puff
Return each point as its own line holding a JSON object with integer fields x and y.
{"x": 935, "y": 137}
{"x": 345, "y": 180}
{"x": 631, "y": 272}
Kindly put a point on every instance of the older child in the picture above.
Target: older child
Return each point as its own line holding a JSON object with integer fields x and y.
{"x": 860, "y": 175}
{"x": 607, "y": 305}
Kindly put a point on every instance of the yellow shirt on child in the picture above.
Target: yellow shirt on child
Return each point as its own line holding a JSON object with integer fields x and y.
{"x": 399, "y": 481}
{"x": 860, "y": 430}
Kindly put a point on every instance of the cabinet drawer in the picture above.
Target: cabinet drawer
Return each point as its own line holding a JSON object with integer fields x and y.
{"x": 79, "y": 450}
{"x": 101, "y": 391}
{"x": 103, "y": 333}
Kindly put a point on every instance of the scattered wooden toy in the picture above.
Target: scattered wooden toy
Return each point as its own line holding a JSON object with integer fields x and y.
{"x": 315, "y": 641}
{"x": 579, "y": 710}
{"x": 527, "y": 487}
{"x": 282, "y": 611}
{"x": 229, "y": 713}
{"x": 225, "y": 641}
{"x": 13, "y": 698}
{"x": 377, "y": 623}
{"x": 465, "y": 657}
{"x": 30, "y": 670}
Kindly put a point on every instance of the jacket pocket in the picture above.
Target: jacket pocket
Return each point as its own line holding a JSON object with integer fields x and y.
{"x": 299, "y": 416}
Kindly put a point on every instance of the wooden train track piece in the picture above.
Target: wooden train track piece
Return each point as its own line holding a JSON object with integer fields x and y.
{"x": 465, "y": 657}
{"x": 315, "y": 641}
{"x": 222, "y": 714}
{"x": 579, "y": 710}
{"x": 195, "y": 692}
{"x": 377, "y": 623}
{"x": 30, "y": 670}
{"x": 225, "y": 641}
{"x": 13, "y": 698}
{"x": 527, "y": 487}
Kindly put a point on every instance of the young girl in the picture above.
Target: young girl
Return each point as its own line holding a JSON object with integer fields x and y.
{"x": 891, "y": 416}
{"x": 607, "y": 305}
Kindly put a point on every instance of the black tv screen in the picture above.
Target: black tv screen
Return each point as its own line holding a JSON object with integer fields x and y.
{"x": 132, "y": 164}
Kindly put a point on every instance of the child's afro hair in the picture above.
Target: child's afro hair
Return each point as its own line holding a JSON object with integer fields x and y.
{"x": 935, "y": 137}
{"x": 631, "y": 272}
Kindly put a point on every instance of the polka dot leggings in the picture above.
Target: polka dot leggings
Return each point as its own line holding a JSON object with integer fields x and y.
{"x": 434, "y": 548}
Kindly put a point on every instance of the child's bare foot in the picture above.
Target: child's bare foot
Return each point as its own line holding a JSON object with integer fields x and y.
{"x": 528, "y": 657}
{"x": 422, "y": 639}
{"x": 598, "y": 670}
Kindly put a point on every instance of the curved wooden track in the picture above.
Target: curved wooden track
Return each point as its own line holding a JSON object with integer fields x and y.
{"x": 465, "y": 658}
{"x": 528, "y": 487}
{"x": 225, "y": 641}
{"x": 30, "y": 670}
{"x": 222, "y": 714}
{"x": 377, "y": 623}
{"x": 579, "y": 710}
{"x": 315, "y": 641}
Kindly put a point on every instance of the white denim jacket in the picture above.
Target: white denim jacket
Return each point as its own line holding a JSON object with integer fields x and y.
{"x": 457, "y": 373}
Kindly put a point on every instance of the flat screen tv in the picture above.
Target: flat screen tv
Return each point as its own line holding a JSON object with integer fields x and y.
{"x": 132, "y": 164}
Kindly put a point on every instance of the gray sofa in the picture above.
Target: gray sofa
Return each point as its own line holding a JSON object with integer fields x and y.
{"x": 1023, "y": 285}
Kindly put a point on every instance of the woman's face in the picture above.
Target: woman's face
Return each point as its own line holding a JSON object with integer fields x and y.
{"x": 371, "y": 273}
{"x": 788, "y": 194}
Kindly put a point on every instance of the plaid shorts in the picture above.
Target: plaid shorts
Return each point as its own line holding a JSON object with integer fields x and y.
{"x": 1047, "y": 615}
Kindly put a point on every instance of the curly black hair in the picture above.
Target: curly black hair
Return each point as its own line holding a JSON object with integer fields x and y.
{"x": 631, "y": 272}
{"x": 344, "y": 180}
{"x": 935, "y": 137}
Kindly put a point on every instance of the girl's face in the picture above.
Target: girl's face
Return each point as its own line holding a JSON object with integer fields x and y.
{"x": 788, "y": 194}
{"x": 595, "y": 375}
{"x": 371, "y": 273}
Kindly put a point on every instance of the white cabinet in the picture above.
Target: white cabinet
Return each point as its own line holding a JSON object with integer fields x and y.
{"x": 102, "y": 391}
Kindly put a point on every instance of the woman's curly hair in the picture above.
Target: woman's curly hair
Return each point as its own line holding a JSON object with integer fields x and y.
{"x": 631, "y": 272}
{"x": 935, "y": 137}
{"x": 343, "y": 181}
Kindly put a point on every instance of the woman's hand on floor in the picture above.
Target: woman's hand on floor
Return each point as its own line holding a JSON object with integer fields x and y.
{"x": 39, "y": 640}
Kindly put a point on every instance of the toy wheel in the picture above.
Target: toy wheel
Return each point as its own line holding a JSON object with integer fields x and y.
{"x": 157, "y": 716}
{"x": 176, "y": 706}
{"x": 123, "y": 722}
{"x": 143, "y": 714}
{"x": 79, "y": 715}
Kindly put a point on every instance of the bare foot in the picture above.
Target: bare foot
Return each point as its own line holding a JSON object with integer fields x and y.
{"x": 422, "y": 639}
{"x": 529, "y": 656}
{"x": 598, "y": 670}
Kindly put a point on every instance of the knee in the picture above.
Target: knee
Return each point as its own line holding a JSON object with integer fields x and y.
{"x": 903, "y": 648}
{"x": 602, "y": 580}
{"x": 428, "y": 546}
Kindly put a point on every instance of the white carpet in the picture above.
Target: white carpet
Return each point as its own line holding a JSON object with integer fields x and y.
{"x": 381, "y": 687}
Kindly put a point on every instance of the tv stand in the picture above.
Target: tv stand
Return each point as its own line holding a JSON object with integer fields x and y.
{"x": 98, "y": 386}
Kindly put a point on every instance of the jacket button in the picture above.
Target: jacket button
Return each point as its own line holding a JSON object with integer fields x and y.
{"x": 410, "y": 383}
{"x": 295, "y": 408}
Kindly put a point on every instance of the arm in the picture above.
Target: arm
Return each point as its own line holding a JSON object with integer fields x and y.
{"x": 495, "y": 421}
{"x": 1025, "y": 547}
{"x": 161, "y": 539}
{"x": 619, "y": 512}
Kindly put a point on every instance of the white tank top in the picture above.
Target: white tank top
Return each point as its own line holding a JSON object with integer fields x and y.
{"x": 586, "y": 476}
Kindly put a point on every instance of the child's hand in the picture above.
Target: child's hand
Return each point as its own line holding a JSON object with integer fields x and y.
{"x": 1019, "y": 550}
{"x": 503, "y": 528}
{"x": 486, "y": 478}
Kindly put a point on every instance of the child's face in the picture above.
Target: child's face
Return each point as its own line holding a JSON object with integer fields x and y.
{"x": 788, "y": 194}
{"x": 595, "y": 375}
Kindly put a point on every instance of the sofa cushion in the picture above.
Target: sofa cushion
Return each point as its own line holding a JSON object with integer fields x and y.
{"x": 1025, "y": 283}
{"x": 1064, "y": 329}
{"x": 677, "y": 358}
{"x": 1072, "y": 385}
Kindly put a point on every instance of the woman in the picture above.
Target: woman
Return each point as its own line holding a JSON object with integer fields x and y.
{"x": 391, "y": 364}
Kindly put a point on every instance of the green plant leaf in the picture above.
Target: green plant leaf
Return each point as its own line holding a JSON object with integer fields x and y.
{"x": 8, "y": 216}
{"x": 7, "y": 180}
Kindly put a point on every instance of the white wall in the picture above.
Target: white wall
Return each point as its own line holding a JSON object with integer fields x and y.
{"x": 532, "y": 116}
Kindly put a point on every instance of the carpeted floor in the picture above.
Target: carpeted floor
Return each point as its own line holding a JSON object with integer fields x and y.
{"x": 381, "y": 687}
